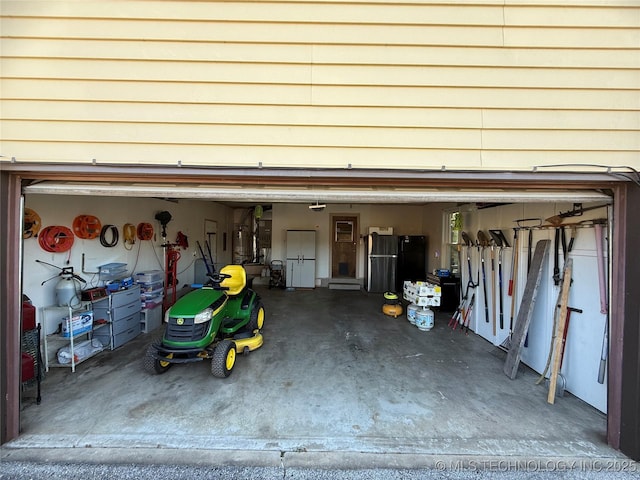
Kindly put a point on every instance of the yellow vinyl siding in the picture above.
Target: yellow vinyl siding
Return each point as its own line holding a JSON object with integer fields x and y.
{"x": 612, "y": 38}
{"x": 230, "y": 114}
{"x": 221, "y": 114}
{"x": 258, "y": 33}
{"x": 197, "y": 134}
{"x": 301, "y": 74}
{"x": 389, "y": 55}
{"x": 252, "y": 156}
{"x": 464, "y": 85}
{"x": 338, "y": 95}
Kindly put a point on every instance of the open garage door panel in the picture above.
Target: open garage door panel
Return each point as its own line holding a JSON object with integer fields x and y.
{"x": 275, "y": 193}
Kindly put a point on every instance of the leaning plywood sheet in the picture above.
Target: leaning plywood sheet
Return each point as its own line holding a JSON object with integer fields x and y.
{"x": 526, "y": 309}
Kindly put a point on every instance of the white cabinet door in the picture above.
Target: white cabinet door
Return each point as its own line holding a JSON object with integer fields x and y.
{"x": 307, "y": 274}
{"x": 301, "y": 254}
{"x": 301, "y": 273}
{"x": 307, "y": 246}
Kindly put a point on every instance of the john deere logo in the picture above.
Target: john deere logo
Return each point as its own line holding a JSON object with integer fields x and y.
{"x": 180, "y": 321}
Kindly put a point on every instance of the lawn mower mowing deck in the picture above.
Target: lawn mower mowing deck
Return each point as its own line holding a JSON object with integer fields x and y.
{"x": 215, "y": 322}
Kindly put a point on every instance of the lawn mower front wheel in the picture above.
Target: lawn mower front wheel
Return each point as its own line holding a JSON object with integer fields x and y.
{"x": 153, "y": 365}
{"x": 224, "y": 359}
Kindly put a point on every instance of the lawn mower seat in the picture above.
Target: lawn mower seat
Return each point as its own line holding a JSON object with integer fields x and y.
{"x": 238, "y": 280}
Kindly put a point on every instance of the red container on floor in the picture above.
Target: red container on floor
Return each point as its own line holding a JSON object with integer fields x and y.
{"x": 28, "y": 367}
{"x": 28, "y": 316}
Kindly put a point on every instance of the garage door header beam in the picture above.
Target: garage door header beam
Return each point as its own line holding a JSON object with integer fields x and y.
{"x": 255, "y": 194}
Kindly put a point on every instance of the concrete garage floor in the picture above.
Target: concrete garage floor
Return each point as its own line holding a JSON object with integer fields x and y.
{"x": 334, "y": 375}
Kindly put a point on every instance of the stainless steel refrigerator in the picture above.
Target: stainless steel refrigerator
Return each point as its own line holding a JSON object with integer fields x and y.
{"x": 380, "y": 265}
{"x": 412, "y": 259}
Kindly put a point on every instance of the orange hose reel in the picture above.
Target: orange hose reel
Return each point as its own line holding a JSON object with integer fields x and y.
{"x": 31, "y": 223}
{"x": 55, "y": 239}
{"x": 87, "y": 227}
{"x": 129, "y": 233}
{"x": 145, "y": 231}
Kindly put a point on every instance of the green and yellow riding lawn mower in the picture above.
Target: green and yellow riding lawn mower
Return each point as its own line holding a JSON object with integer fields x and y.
{"x": 215, "y": 322}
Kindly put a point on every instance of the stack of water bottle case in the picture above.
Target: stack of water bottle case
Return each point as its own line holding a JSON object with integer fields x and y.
{"x": 152, "y": 296}
{"x": 422, "y": 295}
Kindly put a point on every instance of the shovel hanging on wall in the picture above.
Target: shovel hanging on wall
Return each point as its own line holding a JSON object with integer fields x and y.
{"x": 502, "y": 242}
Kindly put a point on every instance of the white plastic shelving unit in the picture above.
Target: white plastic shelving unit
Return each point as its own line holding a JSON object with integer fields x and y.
{"x": 151, "y": 296}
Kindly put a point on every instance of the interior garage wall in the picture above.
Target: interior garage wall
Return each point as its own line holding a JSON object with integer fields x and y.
{"x": 434, "y": 221}
{"x": 187, "y": 216}
{"x": 448, "y": 85}
{"x": 584, "y": 339}
{"x": 405, "y": 220}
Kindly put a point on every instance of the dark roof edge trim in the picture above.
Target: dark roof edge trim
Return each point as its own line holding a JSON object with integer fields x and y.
{"x": 49, "y": 170}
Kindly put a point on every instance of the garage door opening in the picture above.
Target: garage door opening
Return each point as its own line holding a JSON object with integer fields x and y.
{"x": 408, "y": 218}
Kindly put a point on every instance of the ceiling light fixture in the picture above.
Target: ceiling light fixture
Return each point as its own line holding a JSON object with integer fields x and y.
{"x": 317, "y": 207}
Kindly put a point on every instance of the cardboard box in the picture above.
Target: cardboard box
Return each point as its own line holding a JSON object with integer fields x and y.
{"x": 424, "y": 301}
{"x": 422, "y": 289}
{"x": 422, "y": 294}
{"x": 81, "y": 322}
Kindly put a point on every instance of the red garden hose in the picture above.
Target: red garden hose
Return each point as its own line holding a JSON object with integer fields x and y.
{"x": 55, "y": 239}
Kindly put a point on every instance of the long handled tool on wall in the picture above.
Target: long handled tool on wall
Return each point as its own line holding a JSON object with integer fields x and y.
{"x": 556, "y": 257}
{"x": 577, "y": 211}
{"x": 493, "y": 287}
{"x": 467, "y": 314}
{"x": 514, "y": 261}
{"x": 501, "y": 241}
{"x": 470, "y": 283}
{"x": 604, "y": 307}
{"x": 529, "y": 250}
{"x": 459, "y": 315}
{"x": 207, "y": 265}
{"x": 484, "y": 241}
{"x": 552, "y": 343}
{"x": 561, "y": 382}
{"x": 511, "y": 291}
{"x": 564, "y": 300}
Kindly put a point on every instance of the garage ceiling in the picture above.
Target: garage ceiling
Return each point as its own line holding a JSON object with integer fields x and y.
{"x": 313, "y": 193}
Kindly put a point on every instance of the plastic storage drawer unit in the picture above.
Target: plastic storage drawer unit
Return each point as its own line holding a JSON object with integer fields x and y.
{"x": 151, "y": 276}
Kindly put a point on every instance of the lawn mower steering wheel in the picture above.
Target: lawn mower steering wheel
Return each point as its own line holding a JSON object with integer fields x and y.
{"x": 219, "y": 277}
